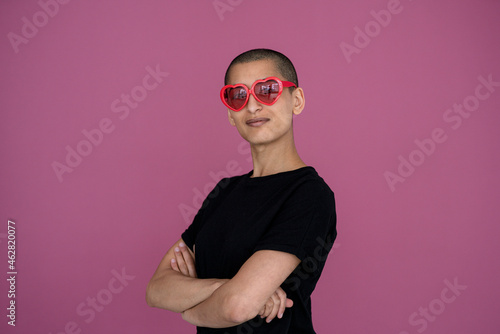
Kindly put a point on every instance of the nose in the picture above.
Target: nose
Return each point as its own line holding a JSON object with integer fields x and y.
{"x": 253, "y": 105}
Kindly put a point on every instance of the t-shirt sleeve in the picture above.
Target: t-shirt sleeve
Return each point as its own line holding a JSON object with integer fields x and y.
{"x": 306, "y": 223}
{"x": 189, "y": 235}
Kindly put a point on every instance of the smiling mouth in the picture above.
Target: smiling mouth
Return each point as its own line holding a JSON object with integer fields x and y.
{"x": 257, "y": 121}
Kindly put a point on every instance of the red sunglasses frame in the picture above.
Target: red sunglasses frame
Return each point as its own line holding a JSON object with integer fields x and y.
{"x": 252, "y": 91}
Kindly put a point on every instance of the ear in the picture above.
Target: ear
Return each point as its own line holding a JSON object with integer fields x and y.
{"x": 231, "y": 119}
{"x": 299, "y": 100}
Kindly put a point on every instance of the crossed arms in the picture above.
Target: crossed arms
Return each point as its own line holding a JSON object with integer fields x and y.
{"x": 217, "y": 303}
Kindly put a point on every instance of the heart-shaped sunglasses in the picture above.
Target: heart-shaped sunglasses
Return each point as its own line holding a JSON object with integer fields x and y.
{"x": 266, "y": 91}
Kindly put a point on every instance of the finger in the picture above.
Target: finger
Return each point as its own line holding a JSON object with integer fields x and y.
{"x": 289, "y": 303}
{"x": 282, "y": 304}
{"x": 268, "y": 306}
{"x": 173, "y": 265}
{"x": 180, "y": 261}
{"x": 189, "y": 260}
{"x": 275, "y": 309}
{"x": 262, "y": 312}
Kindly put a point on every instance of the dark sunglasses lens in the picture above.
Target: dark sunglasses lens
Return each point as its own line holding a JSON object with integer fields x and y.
{"x": 268, "y": 91}
{"x": 235, "y": 97}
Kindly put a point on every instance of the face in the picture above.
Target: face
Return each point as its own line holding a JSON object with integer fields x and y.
{"x": 260, "y": 124}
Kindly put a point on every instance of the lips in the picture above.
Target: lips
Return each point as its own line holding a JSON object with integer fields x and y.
{"x": 257, "y": 121}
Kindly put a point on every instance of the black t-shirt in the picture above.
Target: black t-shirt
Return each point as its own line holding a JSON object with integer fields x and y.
{"x": 292, "y": 212}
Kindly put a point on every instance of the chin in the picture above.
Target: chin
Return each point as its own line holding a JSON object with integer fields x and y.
{"x": 260, "y": 141}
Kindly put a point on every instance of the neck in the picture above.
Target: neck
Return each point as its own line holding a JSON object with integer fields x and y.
{"x": 275, "y": 158}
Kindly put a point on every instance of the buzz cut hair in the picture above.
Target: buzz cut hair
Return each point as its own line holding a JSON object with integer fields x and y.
{"x": 282, "y": 63}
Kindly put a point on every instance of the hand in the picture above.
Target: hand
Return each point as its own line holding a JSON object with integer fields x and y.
{"x": 275, "y": 305}
{"x": 184, "y": 261}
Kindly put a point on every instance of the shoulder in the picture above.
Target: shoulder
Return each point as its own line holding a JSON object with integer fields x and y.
{"x": 312, "y": 186}
{"x": 229, "y": 182}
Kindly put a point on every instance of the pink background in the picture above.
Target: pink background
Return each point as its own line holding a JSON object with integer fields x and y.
{"x": 121, "y": 207}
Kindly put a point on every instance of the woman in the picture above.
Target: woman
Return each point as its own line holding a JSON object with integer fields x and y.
{"x": 258, "y": 245}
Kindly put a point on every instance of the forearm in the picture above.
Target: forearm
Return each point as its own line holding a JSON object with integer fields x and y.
{"x": 244, "y": 296}
{"x": 176, "y": 292}
{"x": 222, "y": 309}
